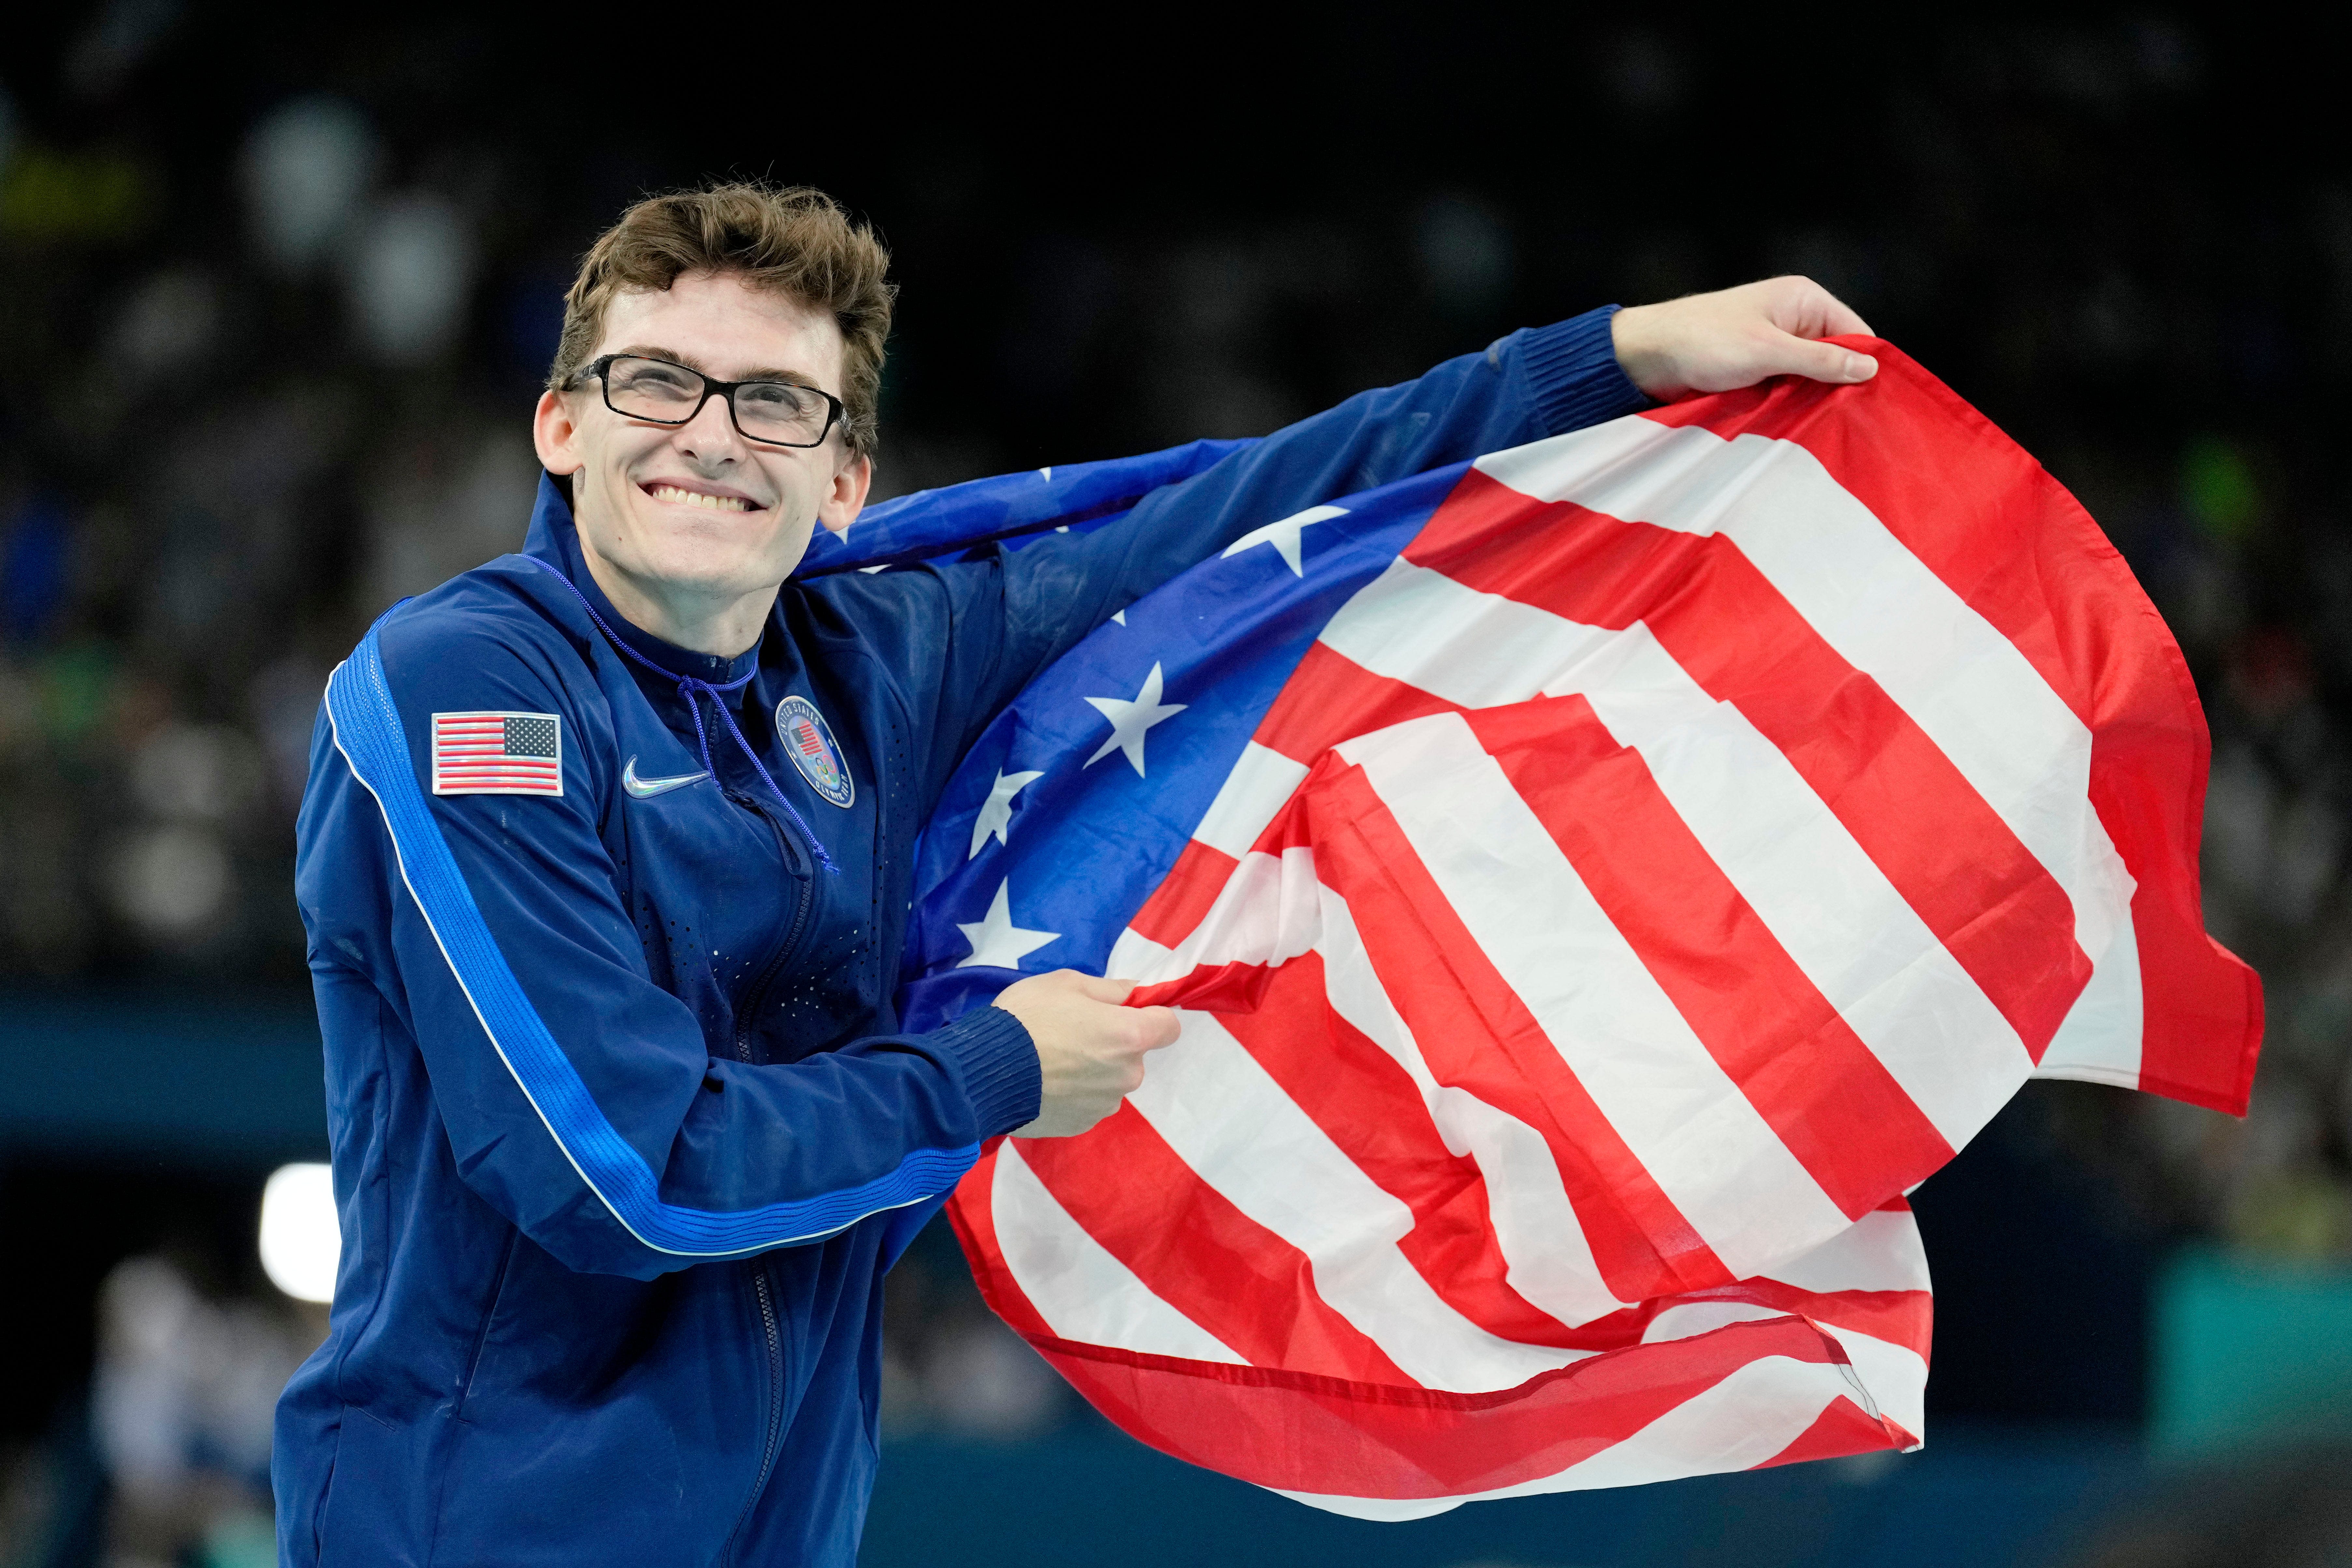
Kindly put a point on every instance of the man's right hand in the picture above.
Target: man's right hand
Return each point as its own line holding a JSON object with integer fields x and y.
{"x": 1089, "y": 1048}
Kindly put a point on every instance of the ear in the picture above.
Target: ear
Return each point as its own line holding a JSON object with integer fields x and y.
{"x": 846, "y": 496}
{"x": 555, "y": 432}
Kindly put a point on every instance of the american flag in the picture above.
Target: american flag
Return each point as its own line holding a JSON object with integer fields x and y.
{"x": 1597, "y": 882}
{"x": 497, "y": 754}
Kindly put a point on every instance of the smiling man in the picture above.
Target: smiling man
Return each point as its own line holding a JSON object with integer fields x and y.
{"x": 604, "y": 861}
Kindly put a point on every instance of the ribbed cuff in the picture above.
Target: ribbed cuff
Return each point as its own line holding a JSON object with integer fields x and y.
{"x": 1573, "y": 374}
{"x": 999, "y": 1067}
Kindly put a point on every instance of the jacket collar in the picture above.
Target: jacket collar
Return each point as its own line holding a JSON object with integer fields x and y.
{"x": 554, "y": 538}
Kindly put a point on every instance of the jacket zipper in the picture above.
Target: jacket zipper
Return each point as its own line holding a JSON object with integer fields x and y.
{"x": 745, "y": 1012}
{"x": 748, "y": 1008}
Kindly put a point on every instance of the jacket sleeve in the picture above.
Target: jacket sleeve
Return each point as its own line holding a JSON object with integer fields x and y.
{"x": 1016, "y": 612}
{"x": 582, "y": 1100}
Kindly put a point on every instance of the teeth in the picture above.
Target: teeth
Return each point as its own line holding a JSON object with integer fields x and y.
{"x": 671, "y": 493}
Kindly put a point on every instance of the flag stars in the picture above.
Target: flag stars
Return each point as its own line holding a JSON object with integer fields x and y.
{"x": 996, "y": 941}
{"x": 995, "y": 820}
{"x": 1284, "y": 536}
{"x": 1130, "y": 720}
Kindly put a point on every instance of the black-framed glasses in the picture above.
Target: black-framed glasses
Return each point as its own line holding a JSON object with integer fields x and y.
{"x": 779, "y": 413}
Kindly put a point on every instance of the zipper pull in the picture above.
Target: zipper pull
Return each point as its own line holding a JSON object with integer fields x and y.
{"x": 796, "y": 857}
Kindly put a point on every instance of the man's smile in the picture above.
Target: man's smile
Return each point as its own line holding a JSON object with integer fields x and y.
{"x": 708, "y": 500}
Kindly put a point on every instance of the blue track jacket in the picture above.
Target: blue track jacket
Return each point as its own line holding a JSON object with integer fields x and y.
{"x": 626, "y": 1131}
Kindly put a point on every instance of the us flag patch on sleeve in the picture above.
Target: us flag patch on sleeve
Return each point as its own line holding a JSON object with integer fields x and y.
{"x": 497, "y": 754}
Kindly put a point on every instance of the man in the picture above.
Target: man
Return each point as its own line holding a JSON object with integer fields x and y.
{"x": 605, "y": 860}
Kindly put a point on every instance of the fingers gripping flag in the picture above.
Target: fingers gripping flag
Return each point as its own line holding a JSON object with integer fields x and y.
{"x": 1596, "y": 882}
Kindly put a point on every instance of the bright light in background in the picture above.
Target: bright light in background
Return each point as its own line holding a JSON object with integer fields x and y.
{"x": 301, "y": 1241}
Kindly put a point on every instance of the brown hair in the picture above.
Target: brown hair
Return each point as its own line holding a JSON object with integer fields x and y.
{"x": 795, "y": 241}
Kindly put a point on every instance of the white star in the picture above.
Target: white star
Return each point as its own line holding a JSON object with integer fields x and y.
{"x": 1284, "y": 536}
{"x": 1130, "y": 720}
{"x": 1120, "y": 616}
{"x": 996, "y": 811}
{"x": 995, "y": 940}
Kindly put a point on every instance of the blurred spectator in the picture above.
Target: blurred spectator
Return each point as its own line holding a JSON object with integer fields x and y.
{"x": 950, "y": 1365}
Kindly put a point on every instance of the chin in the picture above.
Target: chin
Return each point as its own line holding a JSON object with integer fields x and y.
{"x": 734, "y": 570}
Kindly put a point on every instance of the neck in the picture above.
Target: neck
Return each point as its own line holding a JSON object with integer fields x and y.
{"x": 723, "y": 624}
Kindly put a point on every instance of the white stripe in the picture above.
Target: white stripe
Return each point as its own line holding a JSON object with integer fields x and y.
{"x": 1893, "y": 1377}
{"x": 1234, "y": 1125}
{"x": 1880, "y": 1251}
{"x": 1882, "y": 610}
{"x": 1475, "y": 649}
{"x": 1078, "y": 1287}
{"x": 2100, "y": 1041}
{"x": 1135, "y": 957}
{"x": 1695, "y": 1132}
{"x": 1737, "y": 1424}
{"x": 1261, "y": 784}
{"x": 1695, "y": 1318}
{"x": 1269, "y": 912}
{"x": 1547, "y": 1258}
{"x": 1826, "y": 902}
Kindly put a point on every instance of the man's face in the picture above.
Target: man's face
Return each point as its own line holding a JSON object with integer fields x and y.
{"x": 696, "y": 509}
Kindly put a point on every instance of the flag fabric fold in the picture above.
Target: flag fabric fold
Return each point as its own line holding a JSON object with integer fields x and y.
{"x": 1597, "y": 882}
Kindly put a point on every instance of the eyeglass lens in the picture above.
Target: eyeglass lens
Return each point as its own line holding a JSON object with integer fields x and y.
{"x": 766, "y": 411}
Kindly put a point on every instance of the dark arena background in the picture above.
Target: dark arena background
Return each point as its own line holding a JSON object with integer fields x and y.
{"x": 275, "y": 294}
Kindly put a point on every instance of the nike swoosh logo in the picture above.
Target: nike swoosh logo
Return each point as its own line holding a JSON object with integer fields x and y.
{"x": 646, "y": 789}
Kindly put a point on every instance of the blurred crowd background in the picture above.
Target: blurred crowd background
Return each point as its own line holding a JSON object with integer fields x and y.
{"x": 276, "y": 298}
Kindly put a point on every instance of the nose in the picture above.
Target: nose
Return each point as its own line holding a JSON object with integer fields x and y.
{"x": 710, "y": 436}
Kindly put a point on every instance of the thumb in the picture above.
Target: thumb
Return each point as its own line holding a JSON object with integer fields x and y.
{"x": 1791, "y": 355}
{"x": 1161, "y": 1021}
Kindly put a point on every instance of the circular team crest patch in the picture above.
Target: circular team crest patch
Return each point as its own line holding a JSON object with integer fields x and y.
{"x": 808, "y": 739}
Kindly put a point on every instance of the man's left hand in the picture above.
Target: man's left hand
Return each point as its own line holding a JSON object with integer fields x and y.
{"x": 1736, "y": 337}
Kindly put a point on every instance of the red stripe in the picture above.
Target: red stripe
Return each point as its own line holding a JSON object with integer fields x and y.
{"x": 1947, "y": 851}
{"x": 1831, "y": 1100}
{"x": 1277, "y": 1428}
{"x": 1182, "y": 898}
{"x": 1842, "y": 1429}
{"x": 1240, "y": 1282}
{"x": 1331, "y": 698}
{"x": 1371, "y": 1110}
{"x": 1475, "y": 1033}
{"x": 1948, "y": 484}
{"x": 1899, "y": 1317}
